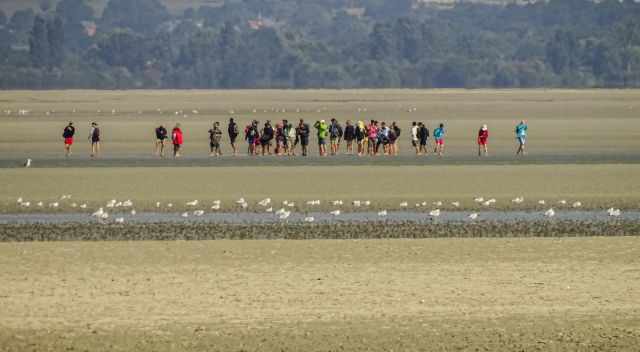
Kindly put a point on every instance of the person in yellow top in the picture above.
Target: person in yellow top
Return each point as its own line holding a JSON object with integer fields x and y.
{"x": 323, "y": 132}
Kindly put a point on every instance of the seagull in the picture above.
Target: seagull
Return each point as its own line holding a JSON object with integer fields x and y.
{"x": 473, "y": 216}
{"x": 127, "y": 203}
{"x": 337, "y": 202}
{"x": 280, "y": 211}
{"x": 240, "y": 201}
{"x": 158, "y": 204}
{"x": 27, "y": 163}
{"x": 98, "y": 212}
{"x": 185, "y": 215}
{"x": 562, "y": 202}
{"x": 19, "y": 200}
{"x": 435, "y": 213}
{"x": 576, "y": 204}
{"x": 437, "y": 204}
{"x": 264, "y": 202}
{"x": 170, "y": 205}
{"x": 54, "y": 205}
{"x": 550, "y": 213}
{"x": 518, "y": 200}
{"x": 335, "y": 212}
{"x": 367, "y": 203}
{"x": 542, "y": 202}
{"x": 309, "y": 219}
{"x": 357, "y": 203}
{"x": 119, "y": 220}
{"x": 198, "y": 212}
{"x": 424, "y": 204}
{"x": 291, "y": 204}
{"x": 215, "y": 207}
{"x": 418, "y": 205}
{"x": 83, "y": 206}
{"x": 118, "y": 205}
{"x": 111, "y": 203}
{"x": 479, "y": 199}
{"x": 244, "y": 205}
{"x": 269, "y": 210}
{"x": 104, "y": 216}
{"x": 74, "y": 205}
{"x": 284, "y": 215}
{"x": 456, "y": 204}
{"x": 382, "y": 213}
{"x": 133, "y": 212}
{"x": 614, "y": 212}
{"x": 193, "y": 203}
{"x": 40, "y": 204}
{"x": 489, "y": 202}
{"x": 404, "y": 205}
{"x": 25, "y": 204}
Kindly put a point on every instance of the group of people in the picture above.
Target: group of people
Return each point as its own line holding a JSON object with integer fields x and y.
{"x": 373, "y": 138}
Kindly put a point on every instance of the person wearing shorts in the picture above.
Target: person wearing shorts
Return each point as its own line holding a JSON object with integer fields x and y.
{"x": 232, "y": 130}
{"x": 266, "y": 138}
{"x": 161, "y": 136}
{"x": 94, "y": 137}
{"x": 177, "y": 139}
{"x": 252, "y": 136}
{"x": 361, "y": 136}
{"x": 322, "y": 132}
{"x": 372, "y": 134}
{"x": 215, "y": 136}
{"x": 483, "y": 139}
{"x": 415, "y": 141}
{"x": 303, "y": 135}
{"x": 335, "y": 136}
{"x": 67, "y": 135}
{"x": 521, "y": 137}
{"x": 397, "y": 131}
{"x": 292, "y": 137}
{"x": 349, "y": 136}
{"x": 438, "y": 135}
{"x": 423, "y": 137}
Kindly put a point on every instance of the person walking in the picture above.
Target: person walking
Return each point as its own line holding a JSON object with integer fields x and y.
{"x": 303, "y": 135}
{"x": 335, "y": 136}
{"x": 483, "y": 139}
{"x": 94, "y": 138}
{"x": 215, "y": 136}
{"x": 177, "y": 139}
{"x": 161, "y": 136}
{"x": 521, "y": 137}
{"x": 415, "y": 141}
{"x": 423, "y": 135}
{"x": 361, "y": 137}
{"x": 266, "y": 138}
{"x": 252, "y": 136}
{"x": 232, "y": 130}
{"x": 292, "y": 139}
{"x": 372, "y": 131}
{"x": 397, "y": 131}
{"x": 322, "y": 132}
{"x": 438, "y": 135}
{"x": 349, "y": 136}
{"x": 67, "y": 134}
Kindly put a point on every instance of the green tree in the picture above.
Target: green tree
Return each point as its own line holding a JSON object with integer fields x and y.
{"x": 55, "y": 38}
{"x": 39, "y": 43}
{"x": 142, "y": 16}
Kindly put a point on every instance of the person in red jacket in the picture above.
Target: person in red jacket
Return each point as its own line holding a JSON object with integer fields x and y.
{"x": 176, "y": 137}
{"x": 483, "y": 138}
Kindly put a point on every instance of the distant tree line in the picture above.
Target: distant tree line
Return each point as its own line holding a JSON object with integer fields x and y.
{"x": 323, "y": 44}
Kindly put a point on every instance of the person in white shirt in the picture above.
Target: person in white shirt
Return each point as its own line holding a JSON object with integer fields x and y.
{"x": 414, "y": 137}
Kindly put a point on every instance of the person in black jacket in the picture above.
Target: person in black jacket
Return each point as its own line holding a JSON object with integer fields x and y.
{"x": 349, "y": 136}
{"x": 232, "y": 129}
{"x": 303, "y": 136}
{"x": 423, "y": 135}
{"x": 68, "y": 134}
{"x": 396, "y": 131}
{"x": 95, "y": 138}
{"x": 266, "y": 138}
{"x": 161, "y": 137}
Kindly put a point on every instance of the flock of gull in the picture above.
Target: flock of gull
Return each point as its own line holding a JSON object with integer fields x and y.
{"x": 267, "y": 205}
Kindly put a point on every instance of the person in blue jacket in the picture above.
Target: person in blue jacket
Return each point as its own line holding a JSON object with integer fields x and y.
{"x": 521, "y": 137}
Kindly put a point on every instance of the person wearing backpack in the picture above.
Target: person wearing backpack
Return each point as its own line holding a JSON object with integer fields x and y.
{"x": 322, "y": 131}
{"x": 423, "y": 135}
{"x": 251, "y": 135}
{"x": 67, "y": 135}
{"x": 335, "y": 136}
{"x": 266, "y": 138}
{"x": 438, "y": 136}
{"x": 94, "y": 137}
{"x": 349, "y": 136}
{"x": 396, "y": 130}
{"x": 291, "y": 135}
{"x": 215, "y": 136}
{"x": 232, "y": 130}
{"x": 161, "y": 136}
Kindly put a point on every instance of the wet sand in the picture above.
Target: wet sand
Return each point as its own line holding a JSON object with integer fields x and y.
{"x": 444, "y": 294}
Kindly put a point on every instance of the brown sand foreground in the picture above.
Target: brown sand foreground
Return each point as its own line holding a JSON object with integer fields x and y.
{"x": 436, "y": 294}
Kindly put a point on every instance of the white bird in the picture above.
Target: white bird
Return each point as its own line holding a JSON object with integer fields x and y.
{"x": 424, "y": 204}
{"x": 562, "y": 202}
{"x": 265, "y": 202}
{"x": 489, "y": 202}
{"x": 193, "y": 203}
{"x": 404, "y": 205}
{"x": 198, "y": 212}
{"x": 284, "y": 215}
{"x": 111, "y": 203}
{"x": 614, "y": 212}
{"x": 280, "y": 211}
{"x": 291, "y": 204}
{"x": 185, "y": 215}
{"x": 382, "y": 213}
{"x": 550, "y": 213}
{"x": 25, "y": 204}
{"x": 217, "y": 201}
{"x": 27, "y": 163}
{"x": 337, "y": 202}
{"x": 215, "y": 207}
{"x": 65, "y": 196}
{"x": 170, "y": 205}
{"x": 418, "y": 205}
{"x": 479, "y": 199}
{"x": 435, "y": 213}
{"x": 357, "y": 203}
{"x": 40, "y": 204}
{"x": 98, "y": 212}
{"x": 244, "y": 205}
{"x": 83, "y": 206}
{"x": 158, "y": 204}
{"x": 366, "y": 203}
{"x": 19, "y": 200}
{"x": 309, "y": 219}
{"x": 437, "y": 204}
{"x": 54, "y": 205}
{"x": 576, "y": 204}
{"x": 473, "y": 216}
{"x": 104, "y": 216}
{"x": 127, "y": 203}
{"x": 542, "y": 202}
{"x": 118, "y": 205}
{"x": 269, "y": 210}
{"x": 335, "y": 212}
{"x": 456, "y": 204}
{"x": 119, "y": 220}
{"x": 518, "y": 200}
{"x": 240, "y": 201}
{"x": 133, "y": 212}
{"x": 74, "y": 205}
{"x": 313, "y": 202}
